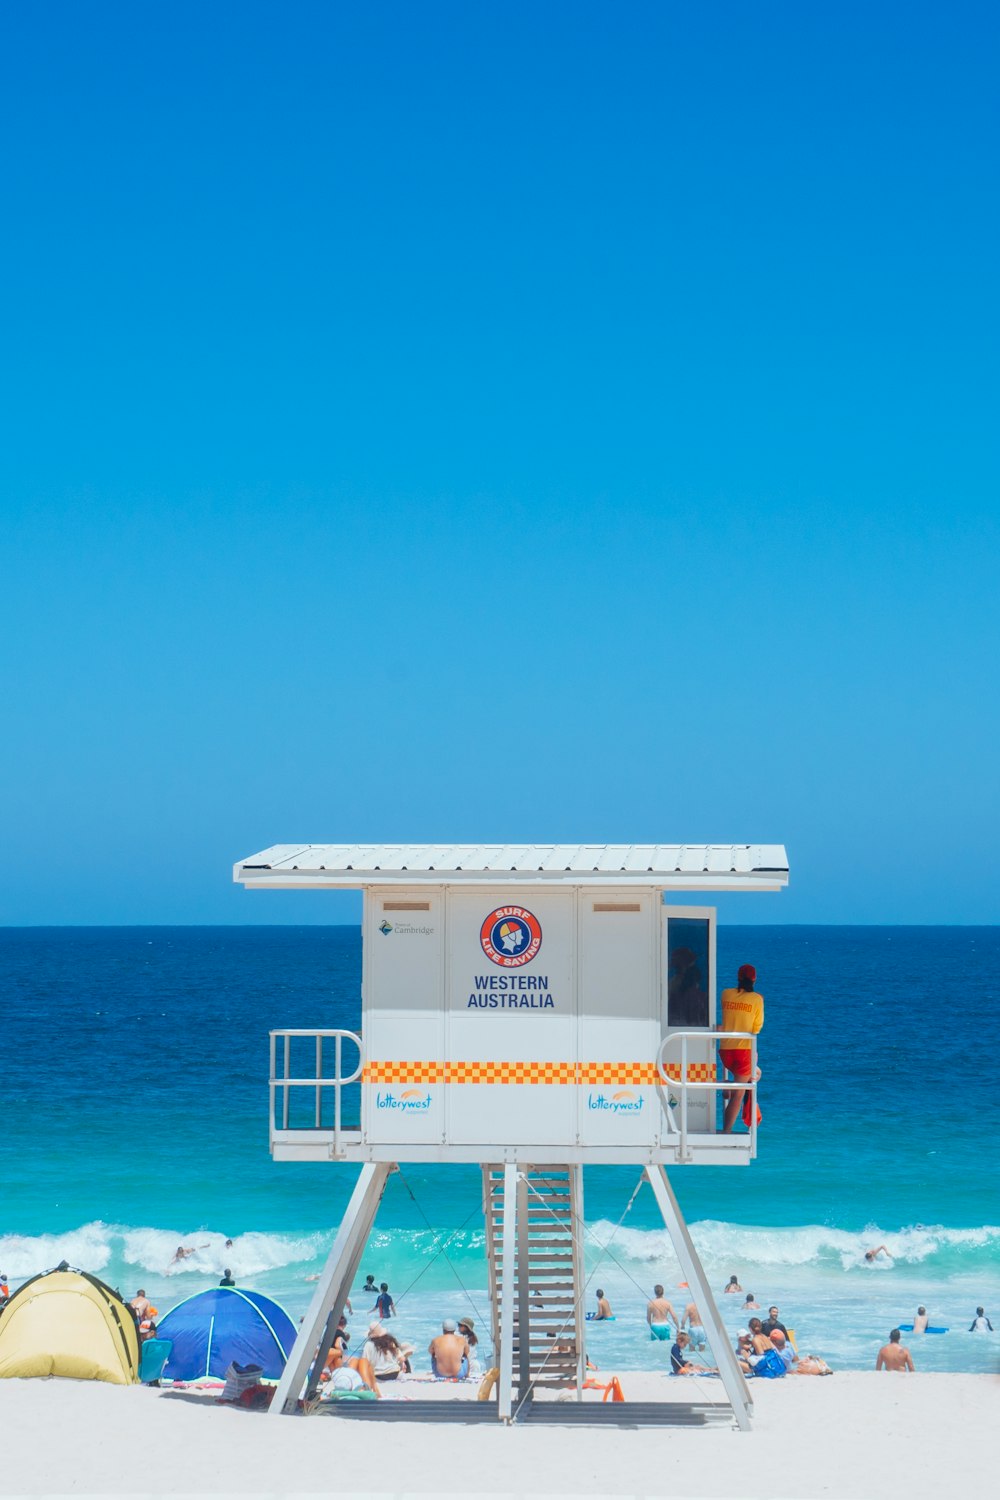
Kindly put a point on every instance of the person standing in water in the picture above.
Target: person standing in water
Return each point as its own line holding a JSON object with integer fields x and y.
{"x": 742, "y": 1010}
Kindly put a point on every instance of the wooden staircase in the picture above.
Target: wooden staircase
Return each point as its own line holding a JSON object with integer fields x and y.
{"x": 548, "y": 1341}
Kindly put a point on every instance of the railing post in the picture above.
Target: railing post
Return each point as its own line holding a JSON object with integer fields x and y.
{"x": 319, "y": 1075}
{"x": 271, "y": 1083}
{"x": 337, "y": 1047}
{"x": 284, "y": 1111}
{"x": 684, "y": 1097}
{"x": 753, "y": 1097}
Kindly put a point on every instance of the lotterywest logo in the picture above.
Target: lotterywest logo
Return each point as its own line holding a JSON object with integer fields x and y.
{"x": 624, "y": 1102}
{"x": 511, "y": 936}
{"x": 409, "y": 1101}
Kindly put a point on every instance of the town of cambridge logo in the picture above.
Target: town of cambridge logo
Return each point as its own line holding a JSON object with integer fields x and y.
{"x": 511, "y": 936}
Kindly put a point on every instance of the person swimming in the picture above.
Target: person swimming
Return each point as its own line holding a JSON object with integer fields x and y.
{"x": 873, "y": 1254}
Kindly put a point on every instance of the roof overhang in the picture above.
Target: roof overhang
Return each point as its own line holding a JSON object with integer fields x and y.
{"x": 674, "y": 867}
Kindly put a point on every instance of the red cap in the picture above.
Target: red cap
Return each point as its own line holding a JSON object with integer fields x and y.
{"x": 747, "y": 971}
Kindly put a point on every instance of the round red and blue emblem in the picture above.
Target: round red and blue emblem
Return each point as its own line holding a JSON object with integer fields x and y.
{"x": 511, "y": 936}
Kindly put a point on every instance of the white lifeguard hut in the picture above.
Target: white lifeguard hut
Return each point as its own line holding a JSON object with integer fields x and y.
{"x": 532, "y": 1009}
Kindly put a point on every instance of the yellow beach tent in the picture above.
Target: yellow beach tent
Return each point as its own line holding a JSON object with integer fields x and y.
{"x": 66, "y": 1322}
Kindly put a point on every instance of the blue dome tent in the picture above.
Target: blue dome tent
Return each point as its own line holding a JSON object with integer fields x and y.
{"x": 212, "y": 1329}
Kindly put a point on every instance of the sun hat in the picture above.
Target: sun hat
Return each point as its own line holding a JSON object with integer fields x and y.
{"x": 743, "y": 1333}
{"x": 376, "y": 1330}
{"x": 448, "y": 1326}
{"x": 467, "y": 1323}
{"x": 747, "y": 971}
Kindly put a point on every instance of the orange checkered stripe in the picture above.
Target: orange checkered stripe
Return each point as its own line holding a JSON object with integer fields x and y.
{"x": 620, "y": 1072}
{"x": 641, "y": 1073}
{"x": 697, "y": 1072}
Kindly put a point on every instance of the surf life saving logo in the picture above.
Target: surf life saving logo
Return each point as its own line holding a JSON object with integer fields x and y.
{"x": 511, "y": 936}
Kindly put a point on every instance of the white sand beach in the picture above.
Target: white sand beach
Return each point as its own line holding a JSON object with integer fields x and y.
{"x": 854, "y": 1436}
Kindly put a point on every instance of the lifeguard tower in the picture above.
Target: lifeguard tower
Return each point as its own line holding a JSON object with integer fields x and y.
{"x": 531, "y": 1009}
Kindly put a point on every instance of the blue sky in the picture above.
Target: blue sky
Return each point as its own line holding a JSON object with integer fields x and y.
{"x": 498, "y": 421}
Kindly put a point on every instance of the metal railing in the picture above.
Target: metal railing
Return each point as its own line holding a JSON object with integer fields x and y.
{"x": 339, "y": 1081}
{"x": 683, "y": 1085}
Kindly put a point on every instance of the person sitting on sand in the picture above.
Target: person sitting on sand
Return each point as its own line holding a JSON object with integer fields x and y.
{"x": 696, "y": 1332}
{"x": 350, "y": 1374}
{"x": 920, "y": 1321}
{"x": 732, "y": 1285}
{"x": 745, "y": 1352}
{"x": 761, "y": 1342}
{"x": 603, "y": 1307}
{"x": 873, "y": 1254}
{"x": 449, "y": 1353}
{"x": 750, "y": 1303}
{"x": 341, "y": 1338}
{"x": 679, "y": 1362}
{"x": 980, "y": 1323}
{"x": 789, "y": 1358}
{"x": 467, "y": 1331}
{"x": 893, "y": 1355}
{"x": 659, "y": 1315}
{"x": 386, "y": 1355}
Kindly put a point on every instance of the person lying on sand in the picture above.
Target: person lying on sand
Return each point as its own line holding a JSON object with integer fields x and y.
{"x": 350, "y": 1374}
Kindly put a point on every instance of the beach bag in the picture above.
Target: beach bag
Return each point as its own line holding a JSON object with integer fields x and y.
{"x": 240, "y": 1378}
{"x": 770, "y": 1366}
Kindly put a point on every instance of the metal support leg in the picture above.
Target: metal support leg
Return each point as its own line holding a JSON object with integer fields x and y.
{"x": 320, "y": 1322}
{"x": 506, "y": 1349}
{"x": 732, "y": 1376}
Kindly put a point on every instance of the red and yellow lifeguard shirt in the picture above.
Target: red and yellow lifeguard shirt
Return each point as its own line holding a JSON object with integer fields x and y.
{"x": 741, "y": 1012}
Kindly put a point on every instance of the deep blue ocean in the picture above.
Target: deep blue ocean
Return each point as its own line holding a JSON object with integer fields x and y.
{"x": 135, "y": 1087}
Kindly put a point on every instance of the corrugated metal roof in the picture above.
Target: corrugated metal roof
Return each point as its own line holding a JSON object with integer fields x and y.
{"x": 654, "y": 864}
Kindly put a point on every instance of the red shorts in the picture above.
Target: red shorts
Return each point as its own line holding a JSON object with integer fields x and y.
{"x": 737, "y": 1060}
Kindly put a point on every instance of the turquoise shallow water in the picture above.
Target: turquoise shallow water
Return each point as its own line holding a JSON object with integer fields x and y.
{"x": 136, "y": 1118}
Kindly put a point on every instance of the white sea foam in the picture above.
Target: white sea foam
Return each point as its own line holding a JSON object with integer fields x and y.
{"x": 720, "y": 1244}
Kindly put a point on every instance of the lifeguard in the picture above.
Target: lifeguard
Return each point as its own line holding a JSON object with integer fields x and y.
{"x": 742, "y": 1010}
